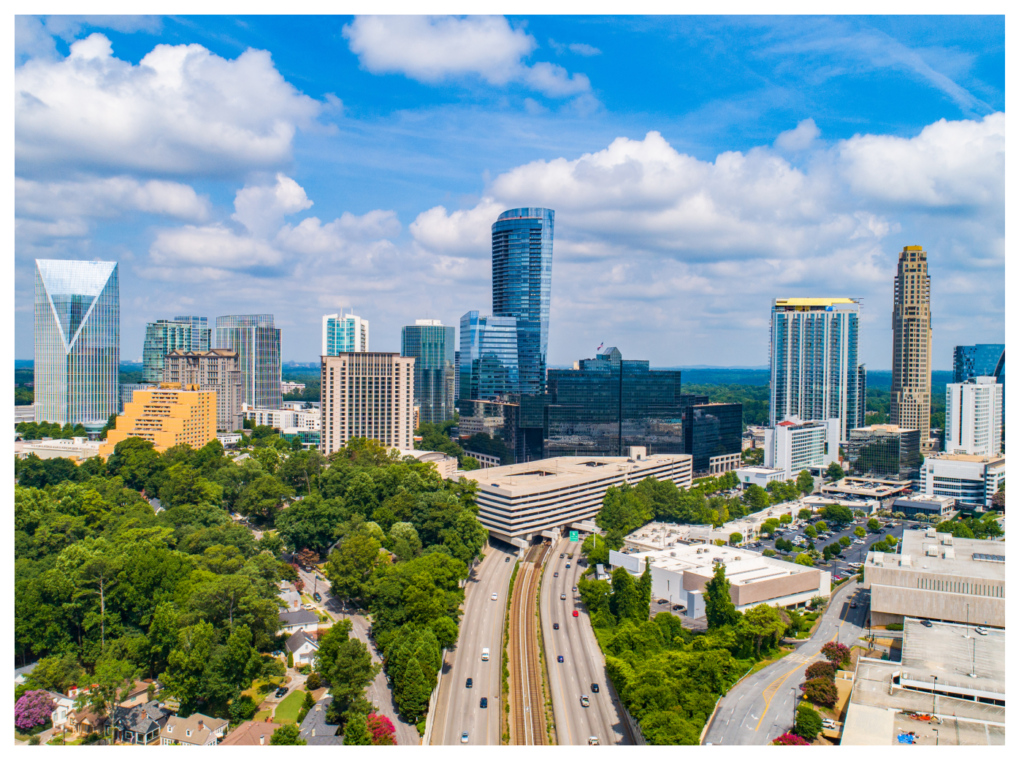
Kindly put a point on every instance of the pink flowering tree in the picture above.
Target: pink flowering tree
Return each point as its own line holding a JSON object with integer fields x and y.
{"x": 791, "y": 740}
{"x": 836, "y": 653}
{"x": 382, "y": 730}
{"x": 33, "y": 709}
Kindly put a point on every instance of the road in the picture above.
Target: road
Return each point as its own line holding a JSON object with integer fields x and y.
{"x": 481, "y": 626}
{"x": 761, "y": 706}
{"x": 584, "y": 662}
{"x": 378, "y": 691}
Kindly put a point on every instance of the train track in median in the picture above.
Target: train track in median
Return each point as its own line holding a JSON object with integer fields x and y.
{"x": 526, "y": 701}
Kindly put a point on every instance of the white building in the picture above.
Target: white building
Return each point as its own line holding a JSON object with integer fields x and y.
{"x": 302, "y": 419}
{"x": 344, "y": 334}
{"x": 77, "y": 449}
{"x": 300, "y": 620}
{"x": 302, "y": 647}
{"x": 680, "y": 573}
{"x": 794, "y": 445}
{"x": 485, "y": 460}
{"x": 519, "y": 501}
{"x": 287, "y": 387}
{"x": 974, "y": 417}
{"x": 446, "y": 466}
{"x": 761, "y": 476}
{"x": 971, "y": 480}
{"x": 24, "y": 413}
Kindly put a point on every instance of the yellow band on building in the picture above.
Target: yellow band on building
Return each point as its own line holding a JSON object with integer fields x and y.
{"x": 167, "y": 416}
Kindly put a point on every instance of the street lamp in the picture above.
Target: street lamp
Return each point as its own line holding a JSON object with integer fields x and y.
{"x": 936, "y": 736}
{"x": 935, "y": 696}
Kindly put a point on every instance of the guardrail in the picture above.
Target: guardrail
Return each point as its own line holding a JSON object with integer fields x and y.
{"x": 425, "y": 742}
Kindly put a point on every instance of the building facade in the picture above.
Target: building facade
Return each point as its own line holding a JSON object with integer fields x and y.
{"x": 489, "y": 357}
{"x": 981, "y": 360}
{"x": 814, "y": 361}
{"x": 432, "y": 345}
{"x": 166, "y": 416}
{"x": 974, "y": 417}
{"x": 125, "y": 391}
{"x": 911, "y": 397}
{"x": 77, "y": 341}
{"x": 970, "y": 479}
{"x": 214, "y": 370}
{"x": 458, "y": 371}
{"x": 522, "y": 244}
{"x": 344, "y": 334}
{"x": 166, "y": 335}
{"x": 794, "y": 445}
{"x": 885, "y": 451}
{"x": 713, "y": 435}
{"x": 284, "y": 419}
{"x": 258, "y": 345}
{"x": 366, "y": 395}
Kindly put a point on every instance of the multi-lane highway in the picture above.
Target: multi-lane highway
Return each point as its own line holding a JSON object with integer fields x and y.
{"x": 583, "y": 662}
{"x": 482, "y": 626}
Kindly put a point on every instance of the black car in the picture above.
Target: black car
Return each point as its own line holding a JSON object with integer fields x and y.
{"x": 556, "y": 626}
{"x": 483, "y": 702}
{"x": 556, "y": 575}
{"x": 281, "y": 692}
{"x": 925, "y": 623}
{"x": 317, "y": 597}
{"x": 595, "y": 688}
{"x": 507, "y": 559}
{"x": 469, "y": 683}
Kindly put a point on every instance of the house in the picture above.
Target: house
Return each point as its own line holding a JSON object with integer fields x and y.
{"x": 197, "y": 730}
{"x": 302, "y": 647}
{"x": 63, "y": 705}
{"x": 87, "y": 721}
{"x": 139, "y": 694}
{"x": 140, "y": 724}
{"x": 21, "y": 674}
{"x": 302, "y": 620}
{"x": 252, "y": 733}
{"x": 315, "y": 729}
{"x": 290, "y": 597}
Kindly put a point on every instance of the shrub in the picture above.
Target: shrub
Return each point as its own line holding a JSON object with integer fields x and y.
{"x": 33, "y": 709}
{"x": 791, "y": 740}
{"x": 92, "y": 738}
{"x": 243, "y": 709}
{"x": 33, "y": 741}
{"x": 821, "y": 691}
{"x": 808, "y": 723}
{"x": 836, "y": 653}
{"x": 313, "y": 682}
{"x": 894, "y": 627}
{"x": 820, "y": 670}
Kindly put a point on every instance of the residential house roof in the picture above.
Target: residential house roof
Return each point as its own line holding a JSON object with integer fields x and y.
{"x": 315, "y": 729}
{"x": 299, "y": 617}
{"x": 297, "y": 639}
{"x": 251, "y": 733}
{"x": 195, "y": 729}
{"x": 20, "y": 674}
{"x": 141, "y": 719}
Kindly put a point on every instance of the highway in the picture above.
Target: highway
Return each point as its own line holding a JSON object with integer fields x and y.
{"x": 584, "y": 662}
{"x": 761, "y": 706}
{"x": 482, "y": 626}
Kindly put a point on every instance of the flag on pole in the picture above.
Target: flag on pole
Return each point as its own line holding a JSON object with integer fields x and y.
{"x": 600, "y": 347}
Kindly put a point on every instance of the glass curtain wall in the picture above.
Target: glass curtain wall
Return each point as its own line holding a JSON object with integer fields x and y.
{"x": 258, "y": 345}
{"x": 433, "y": 348}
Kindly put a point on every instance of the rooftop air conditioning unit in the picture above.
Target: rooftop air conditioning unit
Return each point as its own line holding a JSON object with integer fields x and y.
{"x": 671, "y": 554}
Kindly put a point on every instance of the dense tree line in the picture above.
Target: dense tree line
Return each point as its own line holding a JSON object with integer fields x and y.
{"x": 753, "y": 397}
{"x": 34, "y": 431}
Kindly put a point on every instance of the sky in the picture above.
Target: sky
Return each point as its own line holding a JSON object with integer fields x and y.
{"x": 699, "y": 167}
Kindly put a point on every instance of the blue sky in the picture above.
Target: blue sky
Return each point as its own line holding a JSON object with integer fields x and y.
{"x": 698, "y": 167}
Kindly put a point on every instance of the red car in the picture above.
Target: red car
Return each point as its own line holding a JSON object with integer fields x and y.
{"x": 575, "y": 613}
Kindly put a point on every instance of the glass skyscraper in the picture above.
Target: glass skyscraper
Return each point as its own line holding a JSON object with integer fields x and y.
{"x": 433, "y": 346}
{"x": 344, "y": 334}
{"x": 712, "y": 430}
{"x": 488, "y": 357}
{"x": 77, "y": 339}
{"x": 982, "y": 360}
{"x": 522, "y": 241}
{"x": 164, "y": 336}
{"x": 814, "y": 367}
{"x": 885, "y": 451}
{"x": 258, "y": 345}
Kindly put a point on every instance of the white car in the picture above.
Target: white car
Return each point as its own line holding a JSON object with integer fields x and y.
{"x": 494, "y": 596}
{"x": 465, "y": 737}
{"x": 828, "y": 723}
{"x": 584, "y": 700}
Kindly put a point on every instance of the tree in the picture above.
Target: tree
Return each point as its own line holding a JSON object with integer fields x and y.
{"x": 382, "y": 730}
{"x": 811, "y": 532}
{"x": 762, "y": 625}
{"x": 263, "y": 498}
{"x": 804, "y": 559}
{"x": 405, "y": 541}
{"x": 33, "y": 709}
{"x": 844, "y": 541}
{"x": 346, "y": 664}
{"x": 838, "y": 514}
{"x": 356, "y": 732}
{"x": 242, "y": 709}
{"x": 835, "y": 472}
{"x": 735, "y": 538}
{"x": 859, "y": 532}
{"x": 821, "y": 526}
{"x": 288, "y": 735}
{"x": 786, "y": 519}
{"x": 755, "y": 498}
{"x": 784, "y": 544}
{"x": 874, "y": 525}
{"x": 768, "y": 526}
{"x": 808, "y": 722}
{"x": 804, "y": 514}
{"x": 805, "y": 482}
{"x": 626, "y": 602}
{"x": 820, "y": 669}
{"x": 350, "y": 566}
{"x": 790, "y": 740}
{"x": 821, "y": 691}
{"x": 836, "y": 653}
{"x": 718, "y": 604}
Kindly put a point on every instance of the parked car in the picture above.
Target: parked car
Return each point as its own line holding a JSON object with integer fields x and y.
{"x": 926, "y": 623}
{"x": 317, "y": 596}
{"x": 982, "y": 631}
{"x": 663, "y": 601}
{"x": 829, "y": 723}
{"x": 677, "y": 607}
{"x": 281, "y": 692}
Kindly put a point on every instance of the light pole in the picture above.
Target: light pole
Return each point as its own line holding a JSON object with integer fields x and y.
{"x": 935, "y": 696}
{"x": 795, "y": 703}
{"x": 936, "y": 736}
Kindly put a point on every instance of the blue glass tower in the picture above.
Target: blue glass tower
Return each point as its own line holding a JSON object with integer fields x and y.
{"x": 522, "y": 242}
{"x": 982, "y": 360}
{"x": 488, "y": 357}
{"x": 433, "y": 346}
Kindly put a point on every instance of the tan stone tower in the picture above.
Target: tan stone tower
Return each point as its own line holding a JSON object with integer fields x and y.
{"x": 911, "y": 399}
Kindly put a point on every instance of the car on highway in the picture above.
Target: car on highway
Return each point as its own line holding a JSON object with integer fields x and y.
{"x": 592, "y": 741}
{"x": 465, "y": 737}
{"x": 556, "y": 626}
{"x": 574, "y": 589}
{"x": 507, "y": 559}
{"x": 854, "y": 605}
{"x": 556, "y": 575}
{"x": 584, "y": 700}
{"x": 563, "y": 597}
{"x": 561, "y": 658}
{"x": 483, "y": 702}
{"x": 469, "y": 683}
{"x": 567, "y": 565}
{"x": 281, "y": 692}
{"x": 494, "y": 596}
{"x": 595, "y": 688}
{"x": 575, "y": 613}
{"x": 562, "y": 555}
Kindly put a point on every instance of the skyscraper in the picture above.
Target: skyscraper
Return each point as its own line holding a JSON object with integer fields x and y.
{"x": 258, "y": 345}
{"x": 215, "y": 370}
{"x": 77, "y": 337}
{"x": 489, "y": 357}
{"x": 911, "y": 397}
{"x": 974, "y": 417}
{"x": 522, "y": 241}
{"x": 164, "y": 336}
{"x": 815, "y": 374}
{"x": 344, "y": 333}
{"x": 432, "y": 345}
{"x": 982, "y": 360}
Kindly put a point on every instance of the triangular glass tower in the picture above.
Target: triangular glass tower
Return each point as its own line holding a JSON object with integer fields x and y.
{"x": 77, "y": 335}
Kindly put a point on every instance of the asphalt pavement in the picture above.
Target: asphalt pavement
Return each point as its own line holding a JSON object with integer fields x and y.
{"x": 583, "y": 661}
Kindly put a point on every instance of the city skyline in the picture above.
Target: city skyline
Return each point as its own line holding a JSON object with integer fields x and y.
{"x": 680, "y": 217}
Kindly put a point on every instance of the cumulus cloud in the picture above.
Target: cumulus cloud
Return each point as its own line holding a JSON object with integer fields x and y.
{"x": 801, "y": 138}
{"x": 213, "y": 245}
{"x": 108, "y": 197}
{"x": 260, "y": 209}
{"x": 312, "y": 236}
{"x": 435, "y": 49}
{"x": 182, "y": 109}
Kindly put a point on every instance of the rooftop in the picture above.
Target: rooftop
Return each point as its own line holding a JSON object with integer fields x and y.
{"x": 251, "y": 733}
{"x": 877, "y": 487}
{"x": 944, "y": 554}
{"x": 977, "y": 458}
{"x": 560, "y": 472}
{"x": 814, "y": 302}
{"x": 883, "y": 429}
{"x": 315, "y": 729}
{"x": 298, "y": 617}
{"x": 952, "y": 652}
{"x": 741, "y": 566}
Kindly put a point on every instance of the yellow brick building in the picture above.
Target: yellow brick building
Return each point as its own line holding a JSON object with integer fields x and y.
{"x": 168, "y": 415}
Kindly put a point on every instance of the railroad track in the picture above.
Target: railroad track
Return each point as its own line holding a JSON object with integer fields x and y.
{"x": 525, "y": 696}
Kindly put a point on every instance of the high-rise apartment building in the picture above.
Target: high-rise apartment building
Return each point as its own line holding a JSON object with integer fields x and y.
{"x": 432, "y": 345}
{"x": 911, "y": 397}
{"x": 815, "y": 372}
{"x": 366, "y": 395}
{"x": 794, "y": 445}
{"x": 168, "y": 415}
{"x": 489, "y": 357}
{"x": 215, "y": 370}
{"x": 522, "y": 243}
{"x": 77, "y": 340}
{"x": 458, "y": 371}
{"x": 258, "y": 345}
{"x": 982, "y": 360}
{"x": 164, "y": 336}
{"x": 344, "y": 334}
{"x": 974, "y": 417}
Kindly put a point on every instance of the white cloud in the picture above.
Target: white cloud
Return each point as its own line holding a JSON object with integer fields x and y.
{"x": 312, "y": 237}
{"x": 579, "y": 48}
{"x": 462, "y": 232}
{"x": 261, "y": 208}
{"x": 214, "y": 245}
{"x": 108, "y": 197}
{"x": 31, "y": 40}
{"x": 182, "y": 109}
{"x": 434, "y": 49}
{"x": 68, "y": 27}
{"x": 800, "y": 138}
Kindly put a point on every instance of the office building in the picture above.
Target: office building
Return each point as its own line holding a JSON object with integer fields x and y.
{"x": 519, "y": 502}
{"x": 974, "y": 417}
{"x": 168, "y": 415}
{"x": 458, "y": 371}
{"x": 489, "y": 361}
{"x": 214, "y": 370}
{"x": 522, "y": 242}
{"x": 911, "y": 397}
{"x": 937, "y": 576}
{"x": 680, "y": 573}
{"x": 344, "y": 334}
{"x": 258, "y": 345}
{"x": 125, "y": 391}
{"x": 760, "y": 476}
{"x": 942, "y": 507}
{"x": 794, "y": 445}
{"x": 77, "y": 341}
{"x": 284, "y": 419}
{"x": 76, "y": 449}
{"x": 885, "y": 451}
{"x": 432, "y": 345}
{"x": 610, "y": 404}
{"x": 970, "y": 479}
{"x": 366, "y": 395}
{"x": 287, "y": 387}
{"x": 814, "y": 364}
{"x": 867, "y": 490}
{"x": 982, "y": 360}
{"x": 166, "y": 335}
{"x": 713, "y": 435}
